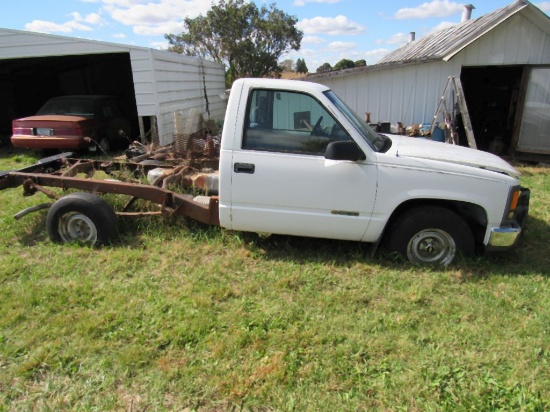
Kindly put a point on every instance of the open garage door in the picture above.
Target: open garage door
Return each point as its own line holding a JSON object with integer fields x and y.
{"x": 26, "y": 83}
{"x": 492, "y": 94}
{"x": 534, "y": 134}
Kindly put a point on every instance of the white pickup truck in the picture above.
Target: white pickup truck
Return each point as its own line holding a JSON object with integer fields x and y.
{"x": 295, "y": 160}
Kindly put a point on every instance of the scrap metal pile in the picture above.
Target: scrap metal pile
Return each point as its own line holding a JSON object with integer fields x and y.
{"x": 190, "y": 161}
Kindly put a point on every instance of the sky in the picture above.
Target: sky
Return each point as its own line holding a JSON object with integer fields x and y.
{"x": 333, "y": 29}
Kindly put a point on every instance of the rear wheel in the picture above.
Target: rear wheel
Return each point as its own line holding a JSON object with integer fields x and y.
{"x": 430, "y": 235}
{"x": 81, "y": 218}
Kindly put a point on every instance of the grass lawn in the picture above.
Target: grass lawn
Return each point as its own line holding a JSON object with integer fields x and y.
{"x": 180, "y": 316}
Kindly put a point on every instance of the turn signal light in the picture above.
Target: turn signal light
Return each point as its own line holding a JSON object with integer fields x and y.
{"x": 513, "y": 203}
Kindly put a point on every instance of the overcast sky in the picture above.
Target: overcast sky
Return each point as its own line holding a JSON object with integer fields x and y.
{"x": 333, "y": 29}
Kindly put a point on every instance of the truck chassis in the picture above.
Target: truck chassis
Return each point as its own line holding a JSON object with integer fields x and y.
{"x": 63, "y": 171}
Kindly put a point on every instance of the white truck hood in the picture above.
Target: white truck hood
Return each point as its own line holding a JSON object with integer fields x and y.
{"x": 426, "y": 149}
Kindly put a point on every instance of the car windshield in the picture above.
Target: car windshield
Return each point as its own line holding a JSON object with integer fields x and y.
{"x": 377, "y": 141}
{"x": 76, "y": 106}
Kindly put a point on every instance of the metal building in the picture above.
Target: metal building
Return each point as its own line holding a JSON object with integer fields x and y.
{"x": 154, "y": 84}
{"x": 502, "y": 59}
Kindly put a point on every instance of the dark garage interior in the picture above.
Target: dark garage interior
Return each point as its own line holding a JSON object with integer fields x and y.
{"x": 27, "y": 83}
{"x": 492, "y": 94}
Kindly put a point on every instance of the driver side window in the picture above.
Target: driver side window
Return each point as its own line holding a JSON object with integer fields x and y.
{"x": 289, "y": 122}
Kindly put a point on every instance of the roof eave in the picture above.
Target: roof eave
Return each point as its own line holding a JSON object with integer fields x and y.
{"x": 371, "y": 68}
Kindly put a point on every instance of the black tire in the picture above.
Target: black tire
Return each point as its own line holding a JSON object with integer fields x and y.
{"x": 104, "y": 145}
{"x": 82, "y": 218}
{"x": 430, "y": 235}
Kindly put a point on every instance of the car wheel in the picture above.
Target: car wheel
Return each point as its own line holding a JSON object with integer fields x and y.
{"x": 81, "y": 218}
{"x": 430, "y": 235}
{"x": 104, "y": 145}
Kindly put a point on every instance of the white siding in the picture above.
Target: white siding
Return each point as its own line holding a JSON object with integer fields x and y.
{"x": 515, "y": 41}
{"x": 180, "y": 83}
{"x": 166, "y": 83}
{"x": 404, "y": 94}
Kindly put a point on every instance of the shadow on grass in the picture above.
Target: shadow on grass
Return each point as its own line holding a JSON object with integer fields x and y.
{"x": 529, "y": 257}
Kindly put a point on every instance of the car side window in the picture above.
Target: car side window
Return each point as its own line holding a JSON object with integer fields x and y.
{"x": 289, "y": 122}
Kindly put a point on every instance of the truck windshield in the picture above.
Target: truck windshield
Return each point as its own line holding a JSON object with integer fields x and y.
{"x": 377, "y": 141}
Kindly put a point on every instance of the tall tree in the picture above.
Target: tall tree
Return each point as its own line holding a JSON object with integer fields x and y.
{"x": 360, "y": 63}
{"x": 286, "y": 65}
{"x": 301, "y": 66}
{"x": 247, "y": 39}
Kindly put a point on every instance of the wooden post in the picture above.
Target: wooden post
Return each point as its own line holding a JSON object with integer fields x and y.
{"x": 465, "y": 114}
{"x": 142, "y": 130}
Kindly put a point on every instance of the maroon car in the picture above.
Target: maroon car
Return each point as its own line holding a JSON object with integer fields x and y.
{"x": 74, "y": 123}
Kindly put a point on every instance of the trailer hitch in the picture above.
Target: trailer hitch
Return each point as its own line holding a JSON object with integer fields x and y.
{"x": 30, "y": 188}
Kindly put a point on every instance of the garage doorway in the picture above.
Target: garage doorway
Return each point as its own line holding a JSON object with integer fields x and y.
{"x": 27, "y": 83}
{"x": 492, "y": 94}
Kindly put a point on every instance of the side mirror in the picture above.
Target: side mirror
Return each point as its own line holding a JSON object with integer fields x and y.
{"x": 346, "y": 150}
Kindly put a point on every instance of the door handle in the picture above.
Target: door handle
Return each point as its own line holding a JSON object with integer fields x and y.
{"x": 244, "y": 168}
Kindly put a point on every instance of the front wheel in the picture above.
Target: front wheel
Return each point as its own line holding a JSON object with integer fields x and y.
{"x": 81, "y": 218}
{"x": 430, "y": 235}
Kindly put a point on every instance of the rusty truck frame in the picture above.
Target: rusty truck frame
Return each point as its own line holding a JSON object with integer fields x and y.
{"x": 64, "y": 171}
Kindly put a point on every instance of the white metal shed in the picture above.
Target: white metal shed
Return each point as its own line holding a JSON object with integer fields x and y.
{"x": 35, "y": 66}
{"x": 503, "y": 60}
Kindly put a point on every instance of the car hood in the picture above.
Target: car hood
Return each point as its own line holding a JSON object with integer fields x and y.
{"x": 426, "y": 149}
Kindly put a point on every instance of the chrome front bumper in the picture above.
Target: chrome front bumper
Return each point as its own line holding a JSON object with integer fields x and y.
{"x": 503, "y": 236}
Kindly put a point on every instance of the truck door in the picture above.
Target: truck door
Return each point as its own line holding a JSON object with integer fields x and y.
{"x": 282, "y": 183}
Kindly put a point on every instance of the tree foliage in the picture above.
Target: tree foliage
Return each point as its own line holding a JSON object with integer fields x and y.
{"x": 325, "y": 67}
{"x": 287, "y": 65}
{"x": 301, "y": 66}
{"x": 247, "y": 39}
{"x": 341, "y": 65}
{"x": 344, "y": 64}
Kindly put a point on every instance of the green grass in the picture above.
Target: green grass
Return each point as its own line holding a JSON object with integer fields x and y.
{"x": 180, "y": 316}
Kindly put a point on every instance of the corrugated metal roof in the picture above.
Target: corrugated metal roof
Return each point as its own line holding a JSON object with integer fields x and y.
{"x": 446, "y": 43}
